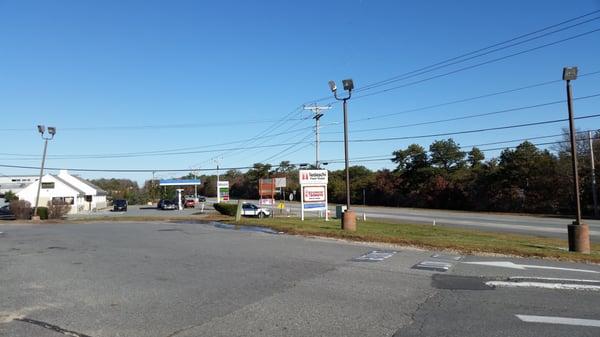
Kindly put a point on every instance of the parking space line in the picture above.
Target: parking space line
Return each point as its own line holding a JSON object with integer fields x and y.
{"x": 559, "y": 320}
{"x": 543, "y": 285}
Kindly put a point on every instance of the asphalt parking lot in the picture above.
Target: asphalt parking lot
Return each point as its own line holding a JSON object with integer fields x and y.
{"x": 206, "y": 279}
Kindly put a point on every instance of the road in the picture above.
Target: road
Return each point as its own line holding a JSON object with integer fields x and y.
{"x": 496, "y": 222}
{"x": 192, "y": 279}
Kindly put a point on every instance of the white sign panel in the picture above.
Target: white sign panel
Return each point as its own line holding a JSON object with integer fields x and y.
{"x": 313, "y": 186}
{"x": 313, "y": 177}
{"x": 314, "y": 193}
{"x": 280, "y": 182}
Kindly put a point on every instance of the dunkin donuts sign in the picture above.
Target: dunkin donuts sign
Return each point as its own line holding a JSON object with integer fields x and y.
{"x": 313, "y": 177}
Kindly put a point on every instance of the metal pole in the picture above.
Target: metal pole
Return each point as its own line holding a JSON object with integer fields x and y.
{"x": 218, "y": 191}
{"x": 317, "y": 141}
{"x": 574, "y": 155}
{"x": 346, "y": 154}
{"x": 593, "y": 166}
{"x": 37, "y": 198}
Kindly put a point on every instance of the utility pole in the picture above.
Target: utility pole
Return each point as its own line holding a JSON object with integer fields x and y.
{"x": 217, "y": 161}
{"x": 317, "y": 111}
{"x": 593, "y": 166}
{"x": 578, "y": 232}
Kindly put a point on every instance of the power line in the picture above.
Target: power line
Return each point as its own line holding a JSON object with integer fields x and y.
{"x": 403, "y": 76}
{"x": 460, "y": 132}
{"x": 539, "y": 105}
{"x": 464, "y": 100}
{"x": 478, "y": 64}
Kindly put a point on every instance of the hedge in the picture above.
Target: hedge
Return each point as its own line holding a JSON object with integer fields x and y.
{"x": 226, "y": 209}
{"x": 42, "y": 212}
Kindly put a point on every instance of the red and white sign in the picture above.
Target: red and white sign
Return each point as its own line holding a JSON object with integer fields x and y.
{"x": 314, "y": 193}
{"x": 313, "y": 177}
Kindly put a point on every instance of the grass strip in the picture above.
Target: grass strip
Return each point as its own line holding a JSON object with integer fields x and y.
{"x": 465, "y": 241}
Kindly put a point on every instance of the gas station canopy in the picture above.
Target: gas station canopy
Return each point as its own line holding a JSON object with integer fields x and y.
{"x": 179, "y": 182}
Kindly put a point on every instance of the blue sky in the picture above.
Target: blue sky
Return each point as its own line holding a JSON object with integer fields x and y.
{"x": 124, "y": 77}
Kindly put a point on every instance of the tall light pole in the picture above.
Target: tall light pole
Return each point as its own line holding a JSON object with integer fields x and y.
{"x": 349, "y": 218}
{"x": 217, "y": 161}
{"x": 317, "y": 111}
{"x": 42, "y": 131}
{"x": 579, "y": 232}
{"x": 593, "y": 167}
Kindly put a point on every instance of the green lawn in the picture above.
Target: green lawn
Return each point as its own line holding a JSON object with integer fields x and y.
{"x": 427, "y": 236}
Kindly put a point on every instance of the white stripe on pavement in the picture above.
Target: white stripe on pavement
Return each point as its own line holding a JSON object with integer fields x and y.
{"x": 551, "y": 279}
{"x": 543, "y": 285}
{"x": 559, "y": 320}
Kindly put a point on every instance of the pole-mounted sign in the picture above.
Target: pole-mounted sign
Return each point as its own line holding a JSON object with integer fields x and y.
{"x": 313, "y": 196}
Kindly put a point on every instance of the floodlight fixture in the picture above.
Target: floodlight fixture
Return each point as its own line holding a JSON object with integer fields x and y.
{"x": 41, "y": 129}
{"x": 332, "y": 86}
{"x": 52, "y": 130}
{"x": 348, "y": 84}
{"x": 569, "y": 73}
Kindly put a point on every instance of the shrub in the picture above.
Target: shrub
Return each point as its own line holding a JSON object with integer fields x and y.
{"x": 10, "y": 196}
{"x": 226, "y": 209}
{"x": 21, "y": 209}
{"x": 57, "y": 210}
{"x": 42, "y": 212}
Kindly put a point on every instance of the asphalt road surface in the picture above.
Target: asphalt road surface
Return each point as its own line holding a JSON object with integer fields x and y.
{"x": 495, "y": 222}
{"x": 191, "y": 279}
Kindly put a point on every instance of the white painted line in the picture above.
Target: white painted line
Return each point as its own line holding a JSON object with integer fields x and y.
{"x": 543, "y": 285}
{"x": 559, "y": 320}
{"x": 508, "y": 264}
{"x": 552, "y": 279}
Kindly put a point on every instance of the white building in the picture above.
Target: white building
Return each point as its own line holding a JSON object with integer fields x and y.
{"x": 15, "y": 183}
{"x": 63, "y": 187}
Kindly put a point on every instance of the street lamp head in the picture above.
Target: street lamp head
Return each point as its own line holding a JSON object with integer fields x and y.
{"x": 348, "y": 84}
{"x": 332, "y": 86}
{"x": 52, "y": 130}
{"x": 569, "y": 73}
{"x": 41, "y": 129}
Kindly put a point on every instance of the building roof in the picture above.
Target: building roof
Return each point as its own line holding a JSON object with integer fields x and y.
{"x": 99, "y": 191}
{"x": 80, "y": 192}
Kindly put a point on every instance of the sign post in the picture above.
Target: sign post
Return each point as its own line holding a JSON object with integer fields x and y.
{"x": 313, "y": 195}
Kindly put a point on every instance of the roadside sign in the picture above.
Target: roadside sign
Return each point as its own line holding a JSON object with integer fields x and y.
{"x": 313, "y": 177}
{"x": 292, "y": 196}
{"x": 223, "y": 189}
{"x": 280, "y": 182}
{"x": 313, "y": 187}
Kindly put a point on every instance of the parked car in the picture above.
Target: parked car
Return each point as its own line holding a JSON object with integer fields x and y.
{"x": 6, "y": 214}
{"x": 249, "y": 209}
{"x": 168, "y": 205}
{"x": 120, "y": 205}
{"x": 201, "y": 198}
{"x": 189, "y": 203}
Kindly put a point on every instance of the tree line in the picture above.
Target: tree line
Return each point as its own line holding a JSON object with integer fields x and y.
{"x": 522, "y": 179}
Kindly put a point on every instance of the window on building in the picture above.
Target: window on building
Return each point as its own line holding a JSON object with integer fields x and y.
{"x": 47, "y": 185}
{"x": 63, "y": 201}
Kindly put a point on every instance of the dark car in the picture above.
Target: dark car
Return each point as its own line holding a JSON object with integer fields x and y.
{"x": 6, "y": 214}
{"x": 201, "y": 198}
{"x": 167, "y": 205}
{"x": 120, "y": 205}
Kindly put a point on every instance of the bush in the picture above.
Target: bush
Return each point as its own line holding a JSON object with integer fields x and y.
{"x": 226, "y": 209}
{"x": 21, "y": 209}
{"x": 57, "y": 210}
{"x": 42, "y": 212}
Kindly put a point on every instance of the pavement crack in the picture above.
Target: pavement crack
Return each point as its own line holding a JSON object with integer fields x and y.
{"x": 52, "y": 327}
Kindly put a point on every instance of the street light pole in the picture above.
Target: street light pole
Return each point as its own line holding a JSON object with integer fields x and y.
{"x": 349, "y": 218}
{"x": 578, "y": 232}
{"x": 593, "y": 167}
{"x": 42, "y": 131}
